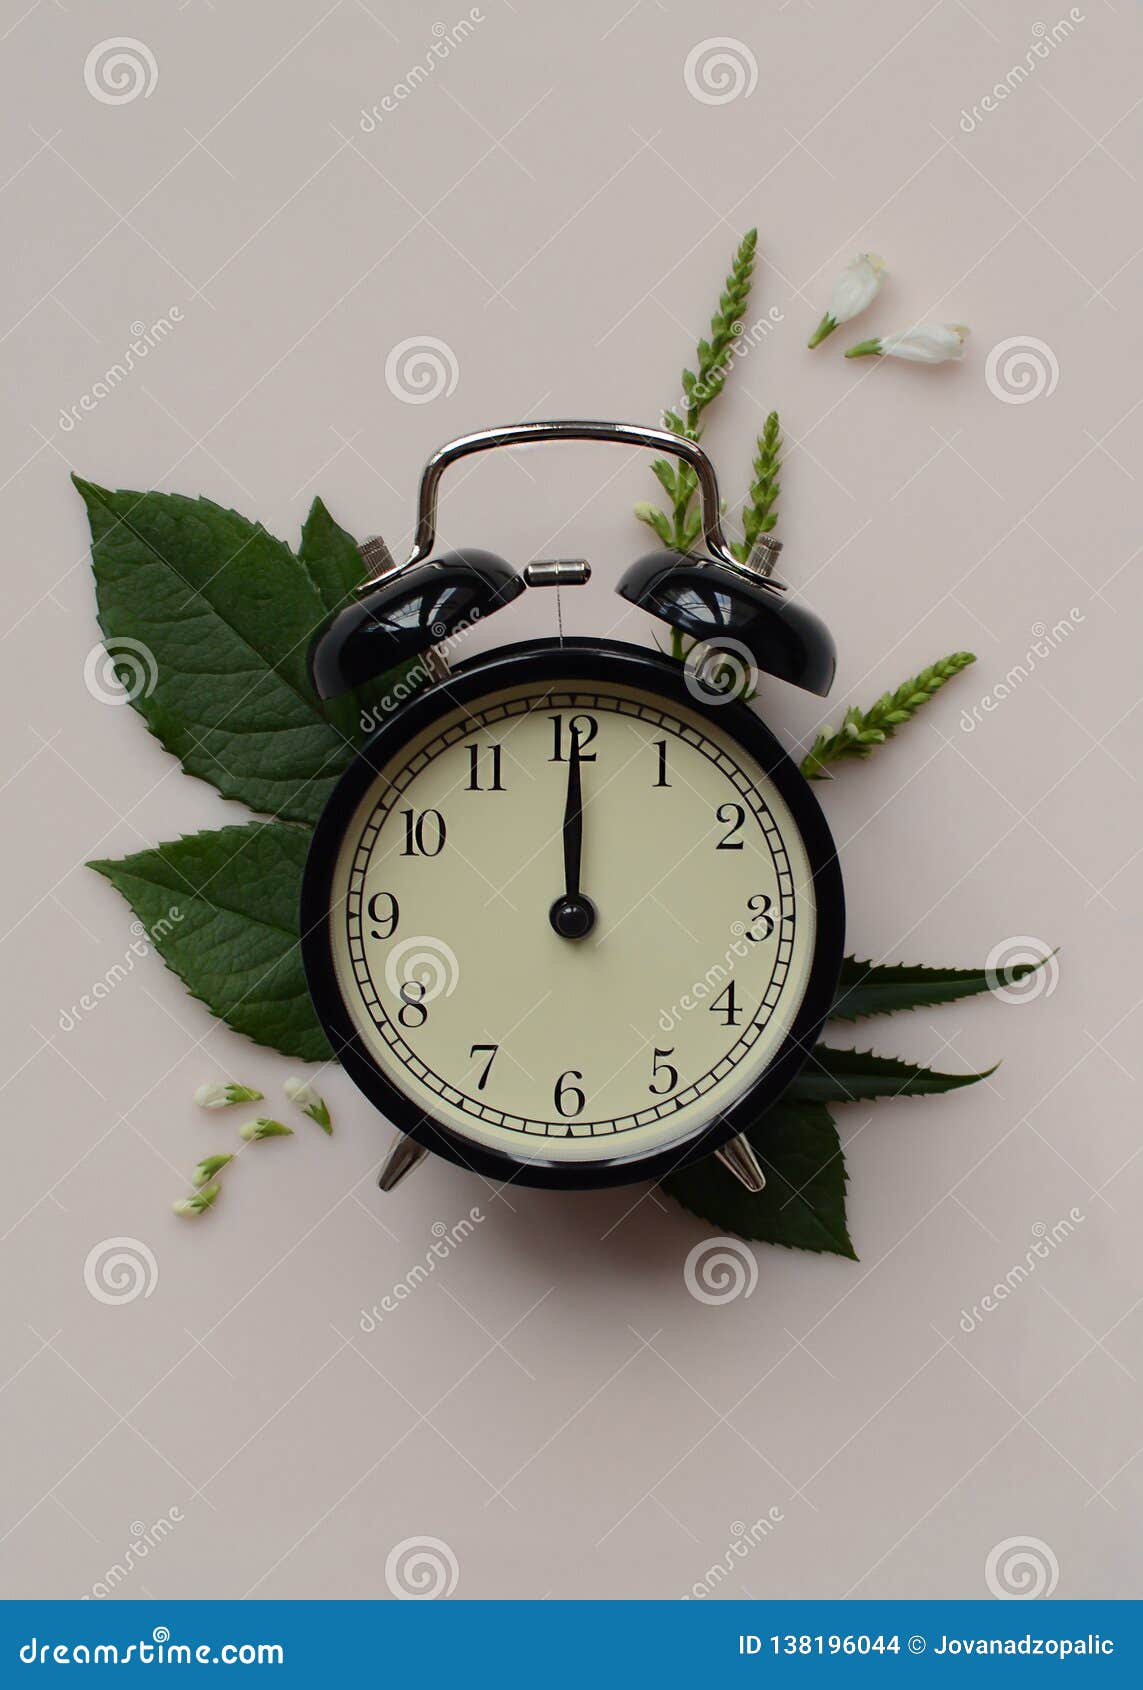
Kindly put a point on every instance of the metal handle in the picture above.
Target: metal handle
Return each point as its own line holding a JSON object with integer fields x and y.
{"x": 525, "y": 434}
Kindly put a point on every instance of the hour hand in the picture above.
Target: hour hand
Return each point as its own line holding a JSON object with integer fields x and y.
{"x": 573, "y": 915}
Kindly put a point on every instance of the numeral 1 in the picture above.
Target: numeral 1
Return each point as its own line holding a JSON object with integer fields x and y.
{"x": 661, "y": 746}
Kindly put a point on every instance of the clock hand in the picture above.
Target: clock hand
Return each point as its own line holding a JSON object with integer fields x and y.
{"x": 573, "y": 821}
{"x": 573, "y": 915}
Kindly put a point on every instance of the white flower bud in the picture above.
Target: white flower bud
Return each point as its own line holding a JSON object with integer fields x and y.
{"x": 926, "y": 343}
{"x": 856, "y": 287}
{"x": 215, "y": 1095}
{"x": 301, "y": 1093}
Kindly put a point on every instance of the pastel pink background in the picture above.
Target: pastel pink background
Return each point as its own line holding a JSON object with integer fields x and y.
{"x": 556, "y": 206}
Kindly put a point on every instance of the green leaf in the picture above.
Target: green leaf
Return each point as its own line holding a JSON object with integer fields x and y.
{"x": 867, "y": 988}
{"x": 329, "y": 557}
{"x": 803, "y": 1205}
{"x": 861, "y": 730}
{"x": 847, "y": 1076}
{"x": 227, "y": 614}
{"x": 222, "y": 910}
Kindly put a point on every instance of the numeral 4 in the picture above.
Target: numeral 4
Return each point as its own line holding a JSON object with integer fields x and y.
{"x": 727, "y": 1005}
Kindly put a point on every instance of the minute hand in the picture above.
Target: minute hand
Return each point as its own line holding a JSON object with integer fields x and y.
{"x": 573, "y": 822}
{"x": 573, "y": 915}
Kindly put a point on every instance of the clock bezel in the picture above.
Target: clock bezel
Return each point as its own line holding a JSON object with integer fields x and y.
{"x": 547, "y": 661}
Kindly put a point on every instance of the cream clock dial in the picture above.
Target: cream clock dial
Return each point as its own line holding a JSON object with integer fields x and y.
{"x": 568, "y": 921}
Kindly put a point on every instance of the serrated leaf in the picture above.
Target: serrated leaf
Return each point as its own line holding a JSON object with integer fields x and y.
{"x": 227, "y": 612}
{"x": 848, "y": 1076}
{"x": 330, "y": 557}
{"x": 803, "y": 1205}
{"x": 222, "y": 910}
{"x": 867, "y": 988}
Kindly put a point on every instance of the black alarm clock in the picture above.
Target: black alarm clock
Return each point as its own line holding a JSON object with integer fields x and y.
{"x": 572, "y": 917}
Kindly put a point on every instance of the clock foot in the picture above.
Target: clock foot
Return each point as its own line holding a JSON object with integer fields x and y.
{"x": 740, "y": 1158}
{"x": 401, "y": 1160}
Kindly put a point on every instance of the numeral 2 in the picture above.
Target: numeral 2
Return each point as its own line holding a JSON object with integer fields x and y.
{"x": 734, "y": 817}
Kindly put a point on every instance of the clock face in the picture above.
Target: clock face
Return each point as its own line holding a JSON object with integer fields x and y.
{"x": 451, "y": 977}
